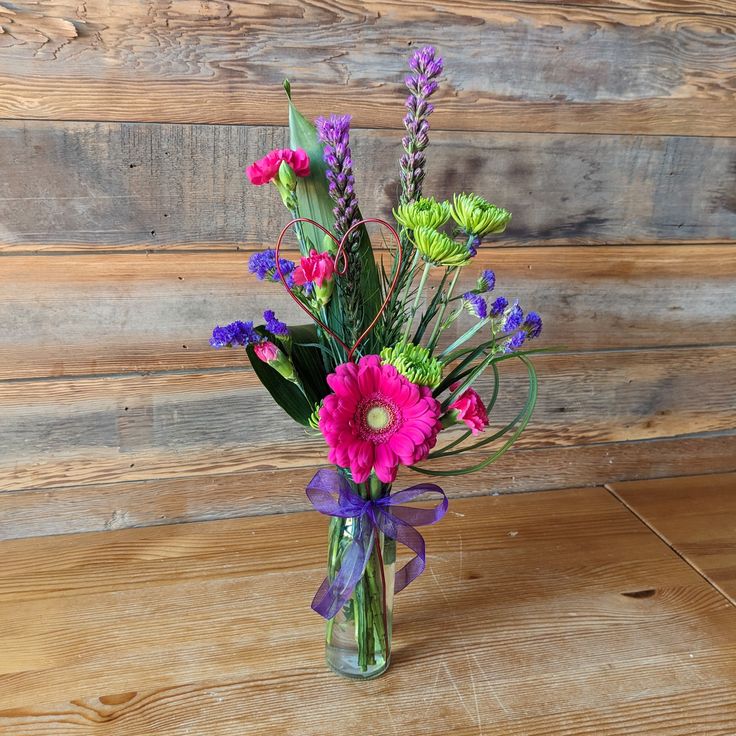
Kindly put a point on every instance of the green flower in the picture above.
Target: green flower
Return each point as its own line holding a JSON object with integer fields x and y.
{"x": 478, "y": 217}
{"x": 313, "y": 420}
{"x": 439, "y": 249}
{"x": 423, "y": 212}
{"x": 414, "y": 362}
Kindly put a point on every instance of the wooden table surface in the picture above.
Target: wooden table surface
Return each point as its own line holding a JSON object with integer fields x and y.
{"x": 543, "y": 613}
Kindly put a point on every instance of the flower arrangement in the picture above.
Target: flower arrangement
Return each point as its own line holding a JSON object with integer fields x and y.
{"x": 374, "y": 371}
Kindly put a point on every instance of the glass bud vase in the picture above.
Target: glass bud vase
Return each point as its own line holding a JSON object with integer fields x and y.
{"x": 358, "y": 637}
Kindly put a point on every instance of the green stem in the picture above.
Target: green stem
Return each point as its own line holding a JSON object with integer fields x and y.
{"x": 438, "y": 324}
{"x": 417, "y": 299}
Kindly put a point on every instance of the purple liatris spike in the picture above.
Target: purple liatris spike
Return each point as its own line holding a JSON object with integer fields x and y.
{"x": 334, "y": 132}
{"x": 475, "y": 304}
{"x": 422, "y": 84}
{"x": 498, "y": 306}
{"x": 514, "y": 318}
{"x": 532, "y": 325}
{"x": 274, "y": 325}
{"x": 236, "y": 333}
{"x": 486, "y": 282}
{"x": 514, "y": 342}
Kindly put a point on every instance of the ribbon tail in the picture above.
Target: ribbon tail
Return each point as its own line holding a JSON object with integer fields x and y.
{"x": 407, "y": 535}
{"x": 332, "y": 596}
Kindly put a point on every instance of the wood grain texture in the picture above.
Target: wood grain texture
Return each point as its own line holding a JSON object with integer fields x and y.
{"x": 60, "y": 432}
{"x": 510, "y": 66}
{"x": 696, "y": 516}
{"x": 108, "y": 314}
{"x": 562, "y": 613}
{"x": 86, "y": 186}
{"x": 109, "y": 506}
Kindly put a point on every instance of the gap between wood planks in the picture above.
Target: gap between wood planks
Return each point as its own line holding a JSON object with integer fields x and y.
{"x": 656, "y": 532}
{"x": 247, "y": 369}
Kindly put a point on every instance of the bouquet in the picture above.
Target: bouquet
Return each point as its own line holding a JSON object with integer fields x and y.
{"x": 374, "y": 371}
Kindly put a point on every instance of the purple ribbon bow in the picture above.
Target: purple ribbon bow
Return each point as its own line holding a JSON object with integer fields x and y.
{"x": 331, "y": 494}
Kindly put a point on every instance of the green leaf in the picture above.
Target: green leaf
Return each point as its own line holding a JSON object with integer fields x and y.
{"x": 308, "y": 361}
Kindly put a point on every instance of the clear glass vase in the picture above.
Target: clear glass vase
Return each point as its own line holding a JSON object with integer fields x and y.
{"x": 358, "y": 638}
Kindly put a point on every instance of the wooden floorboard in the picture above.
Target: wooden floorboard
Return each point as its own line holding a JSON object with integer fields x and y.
{"x": 696, "y": 515}
{"x": 539, "y": 614}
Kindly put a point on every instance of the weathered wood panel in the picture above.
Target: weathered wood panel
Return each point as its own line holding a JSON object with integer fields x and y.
{"x": 698, "y": 7}
{"x": 85, "y": 186}
{"x": 84, "y": 314}
{"x": 511, "y": 66}
{"x": 696, "y": 516}
{"x": 108, "y": 506}
{"x": 592, "y": 608}
{"x": 90, "y": 430}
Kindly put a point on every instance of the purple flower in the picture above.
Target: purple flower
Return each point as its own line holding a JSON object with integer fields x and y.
{"x": 514, "y": 318}
{"x": 263, "y": 265}
{"x": 334, "y": 132}
{"x": 274, "y": 325}
{"x": 486, "y": 282}
{"x": 473, "y": 247}
{"x": 532, "y": 325}
{"x": 422, "y": 84}
{"x": 499, "y": 306}
{"x": 236, "y": 333}
{"x": 515, "y": 342}
{"x": 475, "y": 304}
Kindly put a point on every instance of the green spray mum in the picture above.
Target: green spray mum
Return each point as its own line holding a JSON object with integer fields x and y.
{"x": 439, "y": 249}
{"x": 423, "y": 212}
{"x": 477, "y": 216}
{"x": 415, "y": 363}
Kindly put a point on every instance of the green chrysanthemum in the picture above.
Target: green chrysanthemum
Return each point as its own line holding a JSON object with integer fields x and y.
{"x": 423, "y": 212}
{"x": 415, "y": 363}
{"x": 476, "y": 216}
{"x": 439, "y": 249}
{"x": 314, "y": 417}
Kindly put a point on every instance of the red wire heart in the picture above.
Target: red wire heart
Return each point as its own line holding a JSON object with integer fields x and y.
{"x": 341, "y": 271}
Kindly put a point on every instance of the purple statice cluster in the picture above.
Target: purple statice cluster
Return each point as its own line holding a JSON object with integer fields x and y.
{"x": 498, "y": 306}
{"x": 263, "y": 265}
{"x": 422, "y": 83}
{"x": 274, "y": 325}
{"x": 531, "y": 327}
{"x": 236, "y": 333}
{"x": 334, "y": 132}
{"x": 475, "y": 304}
{"x": 486, "y": 282}
{"x": 514, "y": 318}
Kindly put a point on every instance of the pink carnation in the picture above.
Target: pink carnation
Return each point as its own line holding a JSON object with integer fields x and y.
{"x": 377, "y": 419}
{"x": 317, "y": 267}
{"x": 266, "y": 351}
{"x": 263, "y": 171}
{"x": 471, "y": 410}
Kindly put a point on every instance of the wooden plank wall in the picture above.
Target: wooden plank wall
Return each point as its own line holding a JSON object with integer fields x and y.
{"x": 606, "y": 126}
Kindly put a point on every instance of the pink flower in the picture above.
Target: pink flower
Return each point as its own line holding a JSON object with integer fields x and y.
{"x": 377, "y": 419}
{"x": 470, "y": 409}
{"x": 317, "y": 267}
{"x": 266, "y": 351}
{"x": 263, "y": 171}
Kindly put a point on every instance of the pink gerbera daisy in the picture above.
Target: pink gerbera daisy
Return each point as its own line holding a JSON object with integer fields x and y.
{"x": 377, "y": 419}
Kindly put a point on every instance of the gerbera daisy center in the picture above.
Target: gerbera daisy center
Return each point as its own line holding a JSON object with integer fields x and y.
{"x": 378, "y": 417}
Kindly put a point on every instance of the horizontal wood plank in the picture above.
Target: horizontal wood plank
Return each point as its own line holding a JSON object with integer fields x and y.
{"x": 60, "y": 432}
{"x": 86, "y": 186}
{"x": 108, "y": 506}
{"x": 103, "y": 314}
{"x": 510, "y": 66}
{"x": 696, "y": 515}
{"x": 561, "y": 613}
